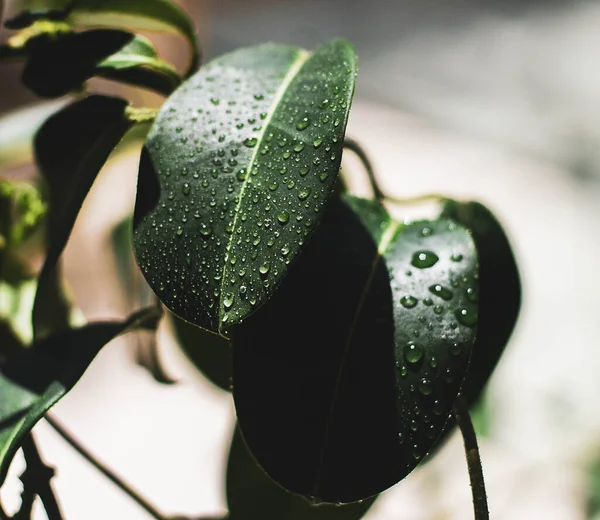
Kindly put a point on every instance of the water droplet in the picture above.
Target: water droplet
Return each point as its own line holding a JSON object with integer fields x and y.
{"x": 441, "y": 292}
{"x": 205, "y": 230}
{"x": 264, "y": 268}
{"x": 426, "y": 232}
{"x": 179, "y": 231}
{"x": 215, "y": 101}
{"x": 471, "y": 294}
{"x": 408, "y": 301}
{"x": 303, "y": 124}
{"x": 428, "y": 302}
{"x": 413, "y": 353}
{"x": 437, "y": 407}
{"x": 304, "y": 193}
{"x": 186, "y": 188}
{"x": 455, "y": 349}
{"x": 466, "y": 317}
{"x": 425, "y": 387}
{"x": 324, "y": 103}
{"x": 438, "y": 309}
{"x": 304, "y": 170}
{"x": 285, "y": 250}
{"x": 283, "y": 217}
{"x": 456, "y": 257}
{"x": 299, "y": 147}
{"x": 424, "y": 259}
{"x": 228, "y": 300}
{"x": 317, "y": 142}
{"x": 251, "y": 142}
{"x": 400, "y": 438}
{"x": 259, "y": 97}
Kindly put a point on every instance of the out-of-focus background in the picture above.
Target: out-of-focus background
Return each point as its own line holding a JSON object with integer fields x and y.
{"x": 495, "y": 100}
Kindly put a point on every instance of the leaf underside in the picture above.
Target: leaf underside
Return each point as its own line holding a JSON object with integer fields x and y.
{"x": 236, "y": 172}
{"x": 340, "y": 388}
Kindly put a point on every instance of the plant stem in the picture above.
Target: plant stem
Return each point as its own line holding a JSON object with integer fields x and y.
{"x": 353, "y": 146}
{"x": 461, "y": 413}
{"x": 36, "y": 481}
{"x": 119, "y": 482}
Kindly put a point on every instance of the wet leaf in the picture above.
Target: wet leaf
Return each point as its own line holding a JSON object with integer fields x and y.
{"x": 345, "y": 379}
{"x": 208, "y": 352}
{"x": 252, "y": 494}
{"x": 70, "y": 149}
{"x": 36, "y": 379}
{"x": 236, "y": 172}
{"x": 61, "y": 64}
{"x": 499, "y": 296}
{"x": 136, "y": 15}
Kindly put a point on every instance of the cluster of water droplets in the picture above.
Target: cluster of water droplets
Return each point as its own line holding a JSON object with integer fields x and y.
{"x": 245, "y": 163}
{"x": 435, "y": 288}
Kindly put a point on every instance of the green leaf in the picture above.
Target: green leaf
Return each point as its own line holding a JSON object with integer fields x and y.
{"x": 344, "y": 380}
{"x": 36, "y": 379}
{"x": 499, "y": 297}
{"x": 137, "y": 63}
{"x": 251, "y": 494}
{"x": 70, "y": 149}
{"x": 208, "y": 352}
{"x": 237, "y": 169}
{"x": 58, "y": 65}
{"x": 137, "y": 15}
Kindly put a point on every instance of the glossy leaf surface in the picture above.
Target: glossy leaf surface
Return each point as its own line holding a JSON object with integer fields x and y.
{"x": 62, "y": 64}
{"x": 499, "y": 297}
{"x": 70, "y": 149}
{"x": 252, "y": 494}
{"x": 36, "y": 379}
{"x": 344, "y": 380}
{"x": 236, "y": 172}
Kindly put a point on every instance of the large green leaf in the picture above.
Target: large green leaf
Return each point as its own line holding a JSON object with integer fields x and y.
{"x": 36, "y": 379}
{"x": 70, "y": 149}
{"x": 137, "y": 15}
{"x": 344, "y": 380}
{"x": 252, "y": 494}
{"x": 499, "y": 297}
{"x": 237, "y": 169}
{"x": 58, "y": 65}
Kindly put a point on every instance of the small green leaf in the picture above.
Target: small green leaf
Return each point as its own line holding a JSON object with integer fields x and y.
{"x": 70, "y": 149}
{"x": 34, "y": 380}
{"x": 251, "y": 494}
{"x": 137, "y": 63}
{"x": 58, "y": 65}
{"x": 237, "y": 169}
{"x": 499, "y": 296}
{"x": 26, "y": 12}
{"x": 345, "y": 379}
{"x": 208, "y": 352}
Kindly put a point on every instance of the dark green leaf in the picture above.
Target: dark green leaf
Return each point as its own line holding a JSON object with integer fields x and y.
{"x": 138, "y": 15}
{"x": 36, "y": 379}
{"x": 499, "y": 297}
{"x": 236, "y": 172}
{"x": 344, "y": 380}
{"x": 137, "y": 63}
{"x": 58, "y": 65}
{"x": 210, "y": 353}
{"x": 70, "y": 149}
{"x": 252, "y": 494}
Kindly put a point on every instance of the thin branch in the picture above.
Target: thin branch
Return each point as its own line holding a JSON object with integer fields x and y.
{"x": 353, "y": 146}
{"x": 36, "y": 481}
{"x": 109, "y": 474}
{"x": 461, "y": 413}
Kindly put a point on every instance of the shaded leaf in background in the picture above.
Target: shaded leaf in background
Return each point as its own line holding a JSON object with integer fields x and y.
{"x": 58, "y": 65}
{"x": 136, "y": 15}
{"x": 236, "y": 172}
{"x": 499, "y": 297}
{"x": 17, "y": 130}
{"x": 344, "y": 380}
{"x": 138, "y": 295}
{"x": 252, "y": 494}
{"x": 70, "y": 149}
{"x": 208, "y": 352}
{"x": 36, "y": 379}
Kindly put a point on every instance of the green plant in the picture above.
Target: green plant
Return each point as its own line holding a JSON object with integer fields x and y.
{"x": 352, "y": 343}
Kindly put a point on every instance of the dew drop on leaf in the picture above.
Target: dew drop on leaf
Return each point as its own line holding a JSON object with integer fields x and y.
{"x": 424, "y": 259}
